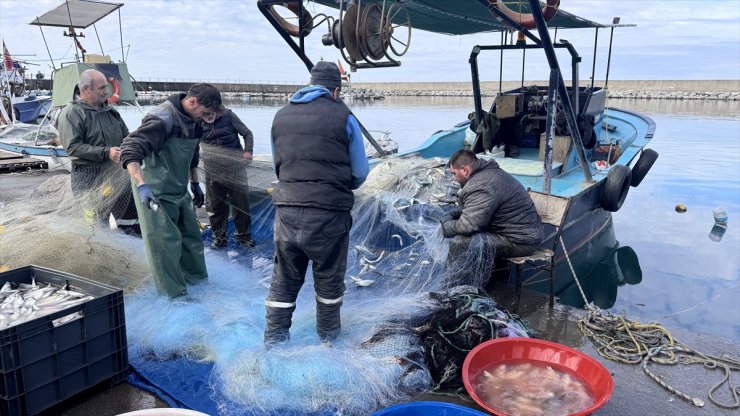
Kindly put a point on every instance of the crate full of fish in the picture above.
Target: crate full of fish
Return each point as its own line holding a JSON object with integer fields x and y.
{"x": 59, "y": 335}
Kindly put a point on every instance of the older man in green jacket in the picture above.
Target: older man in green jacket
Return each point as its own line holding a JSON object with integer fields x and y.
{"x": 91, "y": 132}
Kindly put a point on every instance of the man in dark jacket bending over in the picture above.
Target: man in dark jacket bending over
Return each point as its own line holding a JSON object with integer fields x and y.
{"x": 492, "y": 201}
{"x": 319, "y": 159}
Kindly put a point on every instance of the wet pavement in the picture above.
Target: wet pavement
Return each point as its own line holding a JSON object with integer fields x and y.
{"x": 634, "y": 393}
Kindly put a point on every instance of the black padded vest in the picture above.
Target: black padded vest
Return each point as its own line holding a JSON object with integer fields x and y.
{"x": 221, "y": 133}
{"x": 312, "y": 155}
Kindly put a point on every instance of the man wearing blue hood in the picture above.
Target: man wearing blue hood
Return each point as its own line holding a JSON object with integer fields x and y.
{"x": 319, "y": 159}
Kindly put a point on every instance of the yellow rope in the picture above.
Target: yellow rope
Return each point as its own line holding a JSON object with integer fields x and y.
{"x": 620, "y": 339}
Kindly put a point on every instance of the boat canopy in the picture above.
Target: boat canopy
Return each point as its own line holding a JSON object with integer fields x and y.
{"x": 463, "y": 17}
{"x": 76, "y": 13}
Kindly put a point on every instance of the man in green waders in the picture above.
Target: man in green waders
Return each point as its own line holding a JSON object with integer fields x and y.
{"x": 161, "y": 156}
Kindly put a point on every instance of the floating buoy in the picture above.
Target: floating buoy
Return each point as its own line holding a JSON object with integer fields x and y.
{"x": 89, "y": 216}
{"x": 681, "y": 208}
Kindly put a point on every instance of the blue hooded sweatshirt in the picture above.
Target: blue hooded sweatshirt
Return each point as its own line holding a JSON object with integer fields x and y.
{"x": 357, "y": 159}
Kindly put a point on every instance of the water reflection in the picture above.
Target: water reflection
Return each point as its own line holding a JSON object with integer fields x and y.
{"x": 600, "y": 278}
{"x": 718, "y": 231}
{"x": 705, "y": 108}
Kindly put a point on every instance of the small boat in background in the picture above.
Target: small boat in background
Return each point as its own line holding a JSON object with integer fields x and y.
{"x": 37, "y": 141}
{"x": 19, "y": 103}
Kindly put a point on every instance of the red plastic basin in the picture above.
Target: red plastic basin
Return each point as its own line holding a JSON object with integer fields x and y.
{"x": 498, "y": 351}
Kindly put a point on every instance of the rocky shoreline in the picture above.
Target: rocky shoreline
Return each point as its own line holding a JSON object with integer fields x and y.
{"x": 628, "y": 94}
{"x": 714, "y": 90}
{"x": 368, "y": 94}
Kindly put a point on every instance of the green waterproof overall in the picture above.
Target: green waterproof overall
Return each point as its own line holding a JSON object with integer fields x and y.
{"x": 171, "y": 234}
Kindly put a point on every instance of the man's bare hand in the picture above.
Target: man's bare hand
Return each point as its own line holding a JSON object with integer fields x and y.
{"x": 247, "y": 155}
{"x": 114, "y": 154}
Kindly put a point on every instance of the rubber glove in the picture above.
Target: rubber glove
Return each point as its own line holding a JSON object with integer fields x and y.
{"x": 147, "y": 197}
{"x": 199, "y": 198}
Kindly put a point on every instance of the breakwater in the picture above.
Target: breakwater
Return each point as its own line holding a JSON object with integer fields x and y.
{"x": 721, "y": 90}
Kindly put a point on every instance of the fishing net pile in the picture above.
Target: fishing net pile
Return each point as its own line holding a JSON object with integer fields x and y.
{"x": 23, "y": 133}
{"x": 55, "y": 228}
{"x": 408, "y": 319}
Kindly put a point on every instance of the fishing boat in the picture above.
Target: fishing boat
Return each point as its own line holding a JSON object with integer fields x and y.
{"x": 74, "y": 16}
{"x": 577, "y": 157}
{"x": 19, "y": 103}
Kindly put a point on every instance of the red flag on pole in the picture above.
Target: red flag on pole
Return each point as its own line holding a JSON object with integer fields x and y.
{"x": 6, "y": 58}
{"x": 342, "y": 73}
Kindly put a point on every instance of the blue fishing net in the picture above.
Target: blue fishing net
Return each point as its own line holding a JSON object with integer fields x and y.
{"x": 404, "y": 300}
{"x": 403, "y": 292}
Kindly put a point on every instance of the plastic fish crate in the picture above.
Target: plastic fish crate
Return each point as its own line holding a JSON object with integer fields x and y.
{"x": 47, "y": 360}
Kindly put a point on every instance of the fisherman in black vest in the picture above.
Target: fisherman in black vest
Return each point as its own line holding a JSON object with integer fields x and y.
{"x": 319, "y": 159}
{"x": 225, "y": 162}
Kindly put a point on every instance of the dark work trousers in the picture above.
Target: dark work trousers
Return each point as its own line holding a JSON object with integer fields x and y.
{"x": 219, "y": 194}
{"x": 90, "y": 182}
{"x": 303, "y": 234}
{"x": 471, "y": 259}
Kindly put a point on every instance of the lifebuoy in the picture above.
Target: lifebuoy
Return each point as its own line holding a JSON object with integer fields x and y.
{"x": 617, "y": 186}
{"x": 526, "y": 19}
{"x": 643, "y": 165}
{"x": 113, "y": 99}
{"x": 289, "y": 27}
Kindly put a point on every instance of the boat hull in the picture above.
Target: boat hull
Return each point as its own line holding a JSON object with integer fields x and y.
{"x": 30, "y": 111}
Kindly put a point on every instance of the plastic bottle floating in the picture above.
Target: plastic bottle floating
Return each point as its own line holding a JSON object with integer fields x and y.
{"x": 720, "y": 216}
{"x": 523, "y": 388}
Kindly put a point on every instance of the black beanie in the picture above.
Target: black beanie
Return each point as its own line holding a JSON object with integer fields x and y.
{"x": 327, "y": 74}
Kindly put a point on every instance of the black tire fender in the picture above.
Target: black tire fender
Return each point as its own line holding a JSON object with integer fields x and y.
{"x": 643, "y": 165}
{"x": 617, "y": 186}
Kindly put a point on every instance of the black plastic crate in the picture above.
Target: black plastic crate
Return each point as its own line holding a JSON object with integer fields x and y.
{"x": 43, "y": 361}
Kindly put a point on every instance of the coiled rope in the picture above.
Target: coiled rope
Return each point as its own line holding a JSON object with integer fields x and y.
{"x": 630, "y": 342}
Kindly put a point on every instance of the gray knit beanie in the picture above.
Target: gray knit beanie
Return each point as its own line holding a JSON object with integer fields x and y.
{"x": 327, "y": 74}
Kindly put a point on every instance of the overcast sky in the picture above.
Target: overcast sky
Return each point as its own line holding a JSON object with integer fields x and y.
{"x": 231, "y": 40}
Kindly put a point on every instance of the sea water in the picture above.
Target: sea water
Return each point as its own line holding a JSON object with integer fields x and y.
{"x": 691, "y": 278}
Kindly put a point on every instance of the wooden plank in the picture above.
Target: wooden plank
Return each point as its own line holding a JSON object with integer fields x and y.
{"x": 7, "y": 155}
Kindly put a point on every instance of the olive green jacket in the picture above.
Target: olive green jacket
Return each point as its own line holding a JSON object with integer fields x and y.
{"x": 87, "y": 133}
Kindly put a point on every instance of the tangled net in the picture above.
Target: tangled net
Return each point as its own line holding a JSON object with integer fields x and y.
{"x": 407, "y": 322}
{"x": 54, "y": 228}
